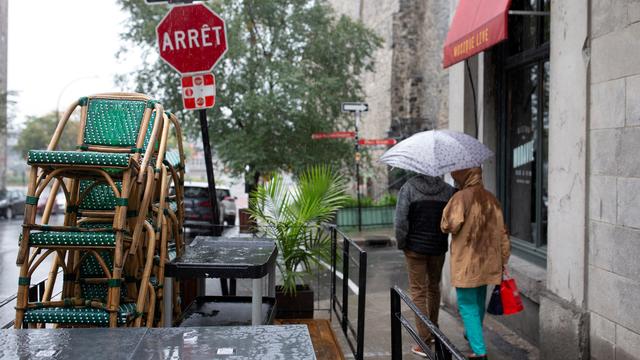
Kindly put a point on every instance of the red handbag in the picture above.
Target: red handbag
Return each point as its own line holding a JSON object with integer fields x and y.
{"x": 511, "y": 301}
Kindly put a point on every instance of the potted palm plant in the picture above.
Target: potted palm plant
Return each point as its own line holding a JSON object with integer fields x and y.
{"x": 292, "y": 216}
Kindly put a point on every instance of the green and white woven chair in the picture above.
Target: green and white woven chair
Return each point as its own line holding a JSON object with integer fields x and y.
{"x": 168, "y": 216}
{"x": 110, "y": 176}
{"x": 89, "y": 308}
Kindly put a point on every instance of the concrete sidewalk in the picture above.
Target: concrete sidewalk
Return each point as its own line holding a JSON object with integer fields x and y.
{"x": 502, "y": 344}
{"x": 386, "y": 268}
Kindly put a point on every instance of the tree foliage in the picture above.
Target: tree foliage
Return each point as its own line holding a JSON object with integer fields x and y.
{"x": 38, "y": 131}
{"x": 289, "y": 65}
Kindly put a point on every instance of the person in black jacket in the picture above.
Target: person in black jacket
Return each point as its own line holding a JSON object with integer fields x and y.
{"x": 418, "y": 213}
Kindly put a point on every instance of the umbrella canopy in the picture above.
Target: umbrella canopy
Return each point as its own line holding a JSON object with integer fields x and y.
{"x": 437, "y": 152}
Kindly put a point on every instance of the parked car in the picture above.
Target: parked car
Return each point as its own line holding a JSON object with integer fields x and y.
{"x": 197, "y": 207}
{"x": 58, "y": 205}
{"x": 11, "y": 203}
{"x": 227, "y": 204}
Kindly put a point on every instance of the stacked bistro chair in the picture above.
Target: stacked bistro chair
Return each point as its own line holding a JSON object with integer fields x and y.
{"x": 109, "y": 239}
{"x": 168, "y": 215}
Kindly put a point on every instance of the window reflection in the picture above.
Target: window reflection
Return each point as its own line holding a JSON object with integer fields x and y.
{"x": 523, "y": 115}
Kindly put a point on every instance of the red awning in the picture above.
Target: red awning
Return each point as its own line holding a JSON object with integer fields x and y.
{"x": 477, "y": 26}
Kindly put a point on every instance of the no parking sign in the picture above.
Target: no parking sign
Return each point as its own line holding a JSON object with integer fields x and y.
{"x": 198, "y": 91}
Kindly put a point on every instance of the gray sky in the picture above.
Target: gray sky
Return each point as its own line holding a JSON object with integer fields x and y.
{"x": 61, "y": 50}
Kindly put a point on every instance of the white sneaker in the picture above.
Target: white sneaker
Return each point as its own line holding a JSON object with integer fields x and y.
{"x": 418, "y": 351}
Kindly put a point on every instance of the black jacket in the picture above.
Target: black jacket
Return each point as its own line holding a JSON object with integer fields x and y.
{"x": 418, "y": 212}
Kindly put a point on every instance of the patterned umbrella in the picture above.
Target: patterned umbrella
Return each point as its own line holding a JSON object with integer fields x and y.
{"x": 437, "y": 152}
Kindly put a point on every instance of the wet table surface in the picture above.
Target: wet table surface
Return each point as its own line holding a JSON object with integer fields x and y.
{"x": 241, "y": 342}
{"x": 209, "y": 256}
{"x": 220, "y": 257}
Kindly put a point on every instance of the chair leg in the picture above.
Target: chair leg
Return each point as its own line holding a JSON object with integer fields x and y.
{"x": 23, "y": 294}
{"x": 164, "y": 235}
{"x": 151, "y": 312}
{"x": 29, "y": 217}
{"x": 113, "y": 302}
{"x": 144, "y": 281}
{"x": 51, "y": 278}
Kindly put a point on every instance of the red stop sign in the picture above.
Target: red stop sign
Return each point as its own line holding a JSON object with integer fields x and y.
{"x": 191, "y": 38}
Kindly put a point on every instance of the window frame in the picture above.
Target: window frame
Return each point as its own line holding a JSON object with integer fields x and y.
{"x": 538, "y": 55}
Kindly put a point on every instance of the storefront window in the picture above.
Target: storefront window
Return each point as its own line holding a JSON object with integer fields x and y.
{"x": 525, "y": 127}
{"x": 523, "y": 114}
{"x": 522, "y": 33}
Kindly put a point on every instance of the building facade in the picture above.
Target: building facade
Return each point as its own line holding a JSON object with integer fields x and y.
{"x": 558, "y": 103}
{"x": 4, "y": 16}
{"x": 408, "y": 90}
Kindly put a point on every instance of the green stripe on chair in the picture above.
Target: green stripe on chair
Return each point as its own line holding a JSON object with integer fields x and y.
{"x": 72, "y": 238}
{"x": 78, "y": 158}
{"x": 90, "y": 316}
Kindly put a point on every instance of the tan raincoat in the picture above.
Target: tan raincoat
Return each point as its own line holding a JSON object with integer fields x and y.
{"x": 480, "y": 244}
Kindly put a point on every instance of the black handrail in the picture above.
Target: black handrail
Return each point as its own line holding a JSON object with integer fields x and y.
{"x": 443, "y": 349}
{"x": 341, "y": 308}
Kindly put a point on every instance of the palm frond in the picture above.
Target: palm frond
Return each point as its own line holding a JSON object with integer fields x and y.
{"x": 293, "y": 219}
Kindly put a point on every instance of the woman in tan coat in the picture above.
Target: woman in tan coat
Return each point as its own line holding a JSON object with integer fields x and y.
{"x": 480, "y": 249}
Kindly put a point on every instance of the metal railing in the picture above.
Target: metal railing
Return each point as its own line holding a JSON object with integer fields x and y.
{"x": 340, "y": 303}
{"x": 370, "y": 217}
{"x": 443, "y": 348}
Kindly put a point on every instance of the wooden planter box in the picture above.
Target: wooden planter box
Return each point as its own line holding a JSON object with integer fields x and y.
{"x": 325, "y": 343}
{"x": 247, "y": 225}
{"x": 298, "y": 306}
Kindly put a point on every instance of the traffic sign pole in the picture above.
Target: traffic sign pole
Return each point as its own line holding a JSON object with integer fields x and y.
{"x": 192, "y": 39}
{"x": 357, "y": 108}
{"x": 208, "y": 162}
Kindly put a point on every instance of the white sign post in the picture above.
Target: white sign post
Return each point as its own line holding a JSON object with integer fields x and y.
{"x": 357, "y": 108}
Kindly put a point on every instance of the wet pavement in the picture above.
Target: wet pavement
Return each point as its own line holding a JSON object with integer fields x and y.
{"x": 385, "y": 269}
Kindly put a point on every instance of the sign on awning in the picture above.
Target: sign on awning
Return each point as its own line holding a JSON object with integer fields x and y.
{"x": 477, "y": 25}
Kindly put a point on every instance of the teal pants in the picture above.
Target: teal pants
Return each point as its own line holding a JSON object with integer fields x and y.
{"x": 471, "y": 302}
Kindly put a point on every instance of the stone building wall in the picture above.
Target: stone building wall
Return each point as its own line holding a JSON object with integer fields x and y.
{"x": 614, "y": 180}
{"x": 419, "y": 84}
{"x": 408, "y": 90}
{"x": 4, "y": 15}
